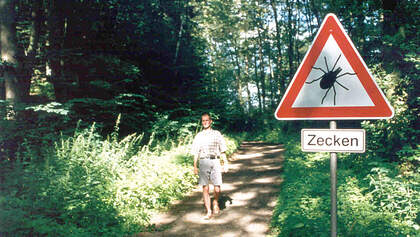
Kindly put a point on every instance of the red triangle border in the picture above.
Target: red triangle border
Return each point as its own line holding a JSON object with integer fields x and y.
{"x": 381, "y": 108}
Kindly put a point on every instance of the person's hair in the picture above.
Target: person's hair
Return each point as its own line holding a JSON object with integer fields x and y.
{"x": 205, "y": 113}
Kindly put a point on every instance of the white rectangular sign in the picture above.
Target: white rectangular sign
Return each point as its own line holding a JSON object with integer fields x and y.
{"x": 333, "y": 140}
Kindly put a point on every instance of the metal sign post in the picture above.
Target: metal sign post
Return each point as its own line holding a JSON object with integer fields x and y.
{"x": 309, "y": 97}
{"x": 333, "y": 140}
{"x": 333, "y": 173}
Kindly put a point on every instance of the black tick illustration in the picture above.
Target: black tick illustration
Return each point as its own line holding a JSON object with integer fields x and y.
{"x": 329, "y": 78}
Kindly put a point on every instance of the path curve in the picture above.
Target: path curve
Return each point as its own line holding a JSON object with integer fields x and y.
{"x": 252, "y": 184}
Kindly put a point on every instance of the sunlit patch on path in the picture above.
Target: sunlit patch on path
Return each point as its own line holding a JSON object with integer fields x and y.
{"x": 252, "y": 183}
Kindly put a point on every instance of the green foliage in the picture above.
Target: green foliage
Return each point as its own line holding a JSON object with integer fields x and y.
{"x": 85, "y": 185}
{"x": 137, "y": 114}
{"x": 395, "y": 139}
{"x": 275, "y": 135}
{"x": 233, "y": 142}
{"x": 396, "y": 195}
{"x": 34, "y": 127}
{"x": 166, "y": 129}
{"x": 95, "y": 187}
{"x": 357, "y": 214}
{"x": 157, "y": 63}
{"x": 50, "y": 108}
{"x": 375, "y": 198}
{"x": 378, "y": 192}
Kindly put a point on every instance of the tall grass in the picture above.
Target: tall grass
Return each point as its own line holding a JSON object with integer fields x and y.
{"x": 374, "y": 197}
{"x": 86, "y": 185}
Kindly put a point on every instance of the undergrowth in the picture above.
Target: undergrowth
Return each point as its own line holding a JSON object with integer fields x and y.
{"x": 87, "y": 185}
{"x": 375, "y": 198}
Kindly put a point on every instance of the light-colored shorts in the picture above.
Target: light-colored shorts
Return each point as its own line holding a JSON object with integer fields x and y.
{"x": 210, "y": 172}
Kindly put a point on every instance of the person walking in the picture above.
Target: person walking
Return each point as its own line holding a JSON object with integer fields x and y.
{"x": 209, "y": 149}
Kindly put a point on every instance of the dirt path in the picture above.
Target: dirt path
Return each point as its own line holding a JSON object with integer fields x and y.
{"x": 251, "y": 185}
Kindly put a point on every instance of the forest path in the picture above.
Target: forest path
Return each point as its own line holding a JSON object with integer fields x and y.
{"x": 251, "y": 185}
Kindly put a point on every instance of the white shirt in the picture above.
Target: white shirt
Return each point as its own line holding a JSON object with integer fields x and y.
{"x": 208, "y": 142}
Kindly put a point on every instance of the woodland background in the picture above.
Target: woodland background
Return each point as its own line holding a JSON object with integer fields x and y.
{"x": 100, "y": 101}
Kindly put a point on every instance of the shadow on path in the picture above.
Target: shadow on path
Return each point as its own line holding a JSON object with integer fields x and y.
{"x": 250, "y": 189}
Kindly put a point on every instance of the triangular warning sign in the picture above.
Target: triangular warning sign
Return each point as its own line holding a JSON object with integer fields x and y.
{"x": 333, "y": 82}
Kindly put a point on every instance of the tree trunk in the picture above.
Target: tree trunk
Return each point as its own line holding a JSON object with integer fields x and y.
{"x": 316, "y": 13}
{"x": 56, "y": 22}
{"x": 238, "y": 76}
{"x": 247, "y": 84}
{"x": 179, "y": 38}
{"x": 280, "y": 81}
{"x": 262, "y": 74}
{"x": 30, "y": 60}
{"x": 257, "y": 81}
{"x": 19, "y": 64}
{"x": 309, "y": 18}
{"x": 9, "y": 50}
{"x": 391, "y": 54}
{"x": 395, "y": 20}
{"x": 272, "y": 89}
{"x": 248, "y": 92}
{"x": 290, "y": 38}
{"x": 296, "y": 32}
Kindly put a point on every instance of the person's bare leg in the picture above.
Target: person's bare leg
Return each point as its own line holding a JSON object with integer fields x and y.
{"x": 206, "y": 198}
{"x": 216, "y": 208}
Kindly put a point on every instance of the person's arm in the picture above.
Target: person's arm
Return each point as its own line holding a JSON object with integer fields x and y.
{"x": 195, "y": 164}
{"x": 225, "y": 162}
{"x": 195, "y": 151}
{"x": 223, "y": 149}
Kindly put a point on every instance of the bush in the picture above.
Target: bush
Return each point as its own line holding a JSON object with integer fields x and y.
{"x": 375, "y": 198}
{"x": 88, "y": 186}
{"x": 85, "y": 185}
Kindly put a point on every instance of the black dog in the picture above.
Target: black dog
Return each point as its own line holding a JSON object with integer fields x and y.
{"x": 223, "y": 201}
